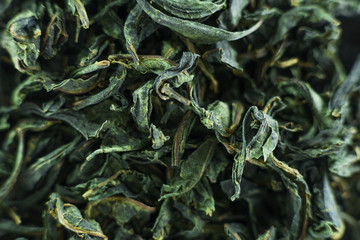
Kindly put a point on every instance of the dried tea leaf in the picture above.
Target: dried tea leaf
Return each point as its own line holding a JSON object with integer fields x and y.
{"x": 71, "y": 218}
{"x": 193, "y": 30}
{"x": 142, "y": 108}
{"x": 121, "y": 122}
{"x": 191, "y": 9}
{"x": 136, "y": 30}
{"x": 180, "y": 137}
{"x": 260, "y": 136}
{"x": 192, "y": 170}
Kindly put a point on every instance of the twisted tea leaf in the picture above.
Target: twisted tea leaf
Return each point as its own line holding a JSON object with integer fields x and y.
{"x": 70, "y": 217}
{"x": 291, "y": 19}
{"x": 38, "y": 170}
{"x": 118, "y": 140}
{"x": 330, "y": 224}
{"x": 82, "y": 12}
{"x": 142, "y": 108}
{"x": 300, "y": 196}
{"x": 162, "y": 225}
{"x": 95, "y": 50}
{"x": 136, "y": 30}
{"x": 193, "y": 30}
{"x": 254, "y": 146}
{"x": 158, "y": 137}
{"x": 180, "y": 72}
{"x": 107, "y": 106}
{"x": 116, "y": 81}
{"x": 25, "y": 33}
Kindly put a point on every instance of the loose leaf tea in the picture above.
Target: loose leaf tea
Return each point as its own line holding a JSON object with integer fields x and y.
{"x": 179, "y": 119}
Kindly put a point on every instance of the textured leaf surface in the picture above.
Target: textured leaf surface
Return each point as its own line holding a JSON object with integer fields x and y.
{"x": 193, "y": 30}
{"x": 179, "y": 119}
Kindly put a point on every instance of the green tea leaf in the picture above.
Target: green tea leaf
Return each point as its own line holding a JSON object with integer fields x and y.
{"x": 180, "y": 72}
{"x": 142, "y": 108}
{"x": 193, "y": 30}
{"x": 10, "y": 181}
{"x": 257, "y": 141}
{"x": 70, "y": 217}
{"x": 180, "y": 137}
{"x": 162, "y": 224}
{"x": 192, "y": 170}
{"x": 191, "y": 9}
{"x": 82, "y": 13}
{"x": 179, "y": 119}
{"x": 26, "y": 34}
{"x": 115, "y": 82}
{"x": 136, "y": 30}
{"x": 339, "y": 101}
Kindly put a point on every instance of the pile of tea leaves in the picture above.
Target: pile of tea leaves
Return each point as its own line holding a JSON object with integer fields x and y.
{"x": 179, "y": 119}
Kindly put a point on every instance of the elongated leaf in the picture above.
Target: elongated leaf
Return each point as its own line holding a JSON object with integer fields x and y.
{"x": 136, "y": 30}
{"x": 180, "y": 137}
{"x": 193, "y": 30}
{"x": 162, "y": 224}
{"x": 179, "y": 119}
{"x": 142, "y": 108}
{"x": 330, "y": 224}
{"x": 82, "y": 13}
{"x": 10, "y": 182}
{"x": 41, "y": 166}
{"x": 339, "y": 101}
{"x": 70, "y": 86}
{"x": 300, "y": 196}
{"x": 116, "y": 80}
{"x": 12, "y": 227}
{"x": 255, "y": 144}
{"x": 55, "y": 35}
{"x": 118, "y": 140}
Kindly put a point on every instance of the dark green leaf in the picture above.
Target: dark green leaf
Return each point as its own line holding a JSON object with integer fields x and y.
{"x": 193, "y": 30}
{"x": 188, "y": 9}
{"x": 192, "y": 170}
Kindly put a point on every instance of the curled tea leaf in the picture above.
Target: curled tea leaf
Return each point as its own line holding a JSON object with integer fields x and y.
{"x": 82, "y": 13}
{"x": 255, "y": 144}
{"x": 194, "y": 31}
{"x": 189, "y": 9}
{"x": 71, "y": 218}
{"x": 179, "y": 72}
